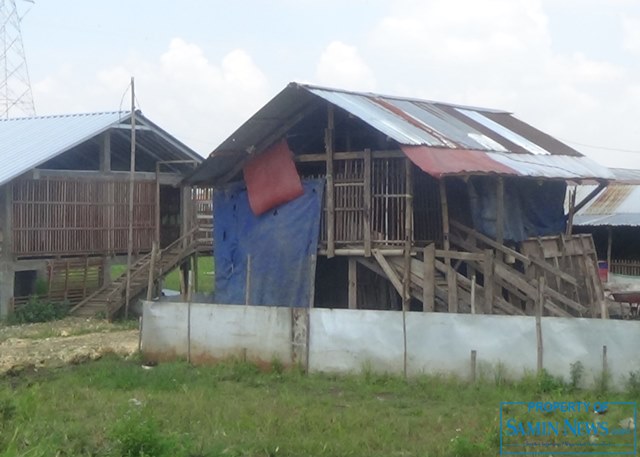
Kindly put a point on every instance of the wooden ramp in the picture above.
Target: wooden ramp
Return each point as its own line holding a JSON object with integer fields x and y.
{"x": 109, "y": 299}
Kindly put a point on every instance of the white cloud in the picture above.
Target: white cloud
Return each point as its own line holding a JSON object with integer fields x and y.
{"x": 340, "y": 65}
{"x": 631, "y": 30}
{"x": 199, "y": 101}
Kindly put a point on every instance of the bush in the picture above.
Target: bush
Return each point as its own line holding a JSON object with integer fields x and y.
{"x": 39, "y": 310}
{"x": 137, "y": 435}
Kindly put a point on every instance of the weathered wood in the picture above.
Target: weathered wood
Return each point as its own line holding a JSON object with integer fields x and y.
{"x": 572, "y": 211}
{"x": 487, "y": 272}
{"x": 500, "y": 211}
{"x": 312, "y": 286}
{"x": 526, "y": 261}
{"x": 353, "y": 283}
{"x": 152, "y": 267}
{"x": 105, "y": 152}
{"x": 473, "y": 294}
{"x": 445, "y": 214}
{"x": 367, "y": 203}
{"x": 351, "y": 155}
{"x": 460, "y": 255}
{"x": 429, "y": 279}
{"x": 330, "y": 190}
{"x": 609, "y": 245}
{"x": 539, "y": 307}
{"x": 389, "y": 271}
{"x": 408, "y": 234}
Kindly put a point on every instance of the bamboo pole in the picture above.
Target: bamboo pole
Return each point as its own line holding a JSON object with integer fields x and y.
{"x": 331, "y": 222}
{"x": 132, "y": 173}
{"x": 539, "y": 308}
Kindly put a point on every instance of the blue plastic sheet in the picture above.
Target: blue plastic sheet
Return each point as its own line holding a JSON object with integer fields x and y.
{"x": 279, "y": 244}
{"x": 531, "y": 208}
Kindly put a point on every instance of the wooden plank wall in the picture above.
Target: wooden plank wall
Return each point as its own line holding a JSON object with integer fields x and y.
{"x": 575, "y": 255}
{"x": 80, "y": 216}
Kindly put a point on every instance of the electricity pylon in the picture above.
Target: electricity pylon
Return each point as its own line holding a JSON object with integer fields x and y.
{"x": 16, "y": 97}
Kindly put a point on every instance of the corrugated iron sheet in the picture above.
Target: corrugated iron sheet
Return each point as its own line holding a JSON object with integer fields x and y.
{"x": 616, "y": 205}
{"x": 458, "y": 133}
{"x": 26, "y": 143}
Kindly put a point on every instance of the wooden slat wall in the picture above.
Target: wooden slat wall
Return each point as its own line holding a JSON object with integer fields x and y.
{"x": 203, "y": 201}
{"x": 389, "y": 202}
{"x": 80, "y": 216}
{"x": 427, "y": 209}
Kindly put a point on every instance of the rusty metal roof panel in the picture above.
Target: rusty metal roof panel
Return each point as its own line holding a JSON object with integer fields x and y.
{"x": 618, "y": 204}
{"x": 449, "y": 128}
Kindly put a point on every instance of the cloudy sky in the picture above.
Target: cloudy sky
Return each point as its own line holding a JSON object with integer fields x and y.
{"x": 202, "y": 67}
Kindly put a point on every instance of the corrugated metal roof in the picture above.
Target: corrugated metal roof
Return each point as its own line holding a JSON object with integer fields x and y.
{"x": 26, "y": 143}
{"x": 617, "y": 204}
{"x": 410, "y": 122}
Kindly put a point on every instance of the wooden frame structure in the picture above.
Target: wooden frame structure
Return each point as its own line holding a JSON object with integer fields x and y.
{"x": 67, "y": 219}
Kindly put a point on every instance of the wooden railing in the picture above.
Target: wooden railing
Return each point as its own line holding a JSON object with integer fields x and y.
{"x": 625, "y": 267}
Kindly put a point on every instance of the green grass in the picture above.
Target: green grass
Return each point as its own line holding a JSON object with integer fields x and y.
{"x": 172, "y": 280}
{"x": 113, "y": 407}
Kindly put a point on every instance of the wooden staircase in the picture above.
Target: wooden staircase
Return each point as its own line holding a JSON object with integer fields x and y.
{"x": 479, "y": 276}
{"x": 109, "y": 299}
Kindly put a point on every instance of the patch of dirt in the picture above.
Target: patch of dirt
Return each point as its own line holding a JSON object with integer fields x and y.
{"x": 68, "y": 341}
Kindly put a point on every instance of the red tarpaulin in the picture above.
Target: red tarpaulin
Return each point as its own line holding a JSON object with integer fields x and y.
{"x": 272, "y": 178}
{"x": 440, "y": 162}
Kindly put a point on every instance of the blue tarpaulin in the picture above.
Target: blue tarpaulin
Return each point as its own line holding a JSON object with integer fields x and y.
{"x": 531, "y": 208}
{"x": 279, "y": 243}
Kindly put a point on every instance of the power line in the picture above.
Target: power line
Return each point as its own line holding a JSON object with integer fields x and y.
{"x": 605, "y": 148}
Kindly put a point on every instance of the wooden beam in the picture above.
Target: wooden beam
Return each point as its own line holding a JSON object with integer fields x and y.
{"x": 590, "y": 197}
{"x": 388, "y": 271}
{"x": 445, "y": 214}
{"x": 572, "y": 211}
{"x": 367, "y": 202}
{"x": 350, "y": 155}
{"x": 353, "y": 283}
{"x": 267, "y": 141}
{"x": 331, "y": 217}
{"x": 500, "y": 211}
{"x": 429, "y": 278}
{"x": 408, "y": 233}
{"x": 487, "y": 272}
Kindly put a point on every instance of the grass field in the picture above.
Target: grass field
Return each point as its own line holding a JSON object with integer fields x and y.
{"x": 114, "y": 407}
{"x": 172, "y": 280}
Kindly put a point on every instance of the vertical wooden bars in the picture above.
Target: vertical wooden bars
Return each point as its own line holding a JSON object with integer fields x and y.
{"x": 429, "y": 280}
{"x": 367, "y": 203}
{"x": 353, "y": 283}
{"x": 328, "y": 143}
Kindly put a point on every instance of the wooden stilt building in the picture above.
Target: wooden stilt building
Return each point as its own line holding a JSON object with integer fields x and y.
{"x": 426, "y": 206}
{"x": 64, "y": 204}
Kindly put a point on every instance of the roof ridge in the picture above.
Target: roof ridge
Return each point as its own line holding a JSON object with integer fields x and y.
{"x": 68, "y": 115}
{"x": 400, "y": 97}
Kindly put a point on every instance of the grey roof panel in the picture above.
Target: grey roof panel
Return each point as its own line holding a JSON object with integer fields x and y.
{"x": 26, "y": 143}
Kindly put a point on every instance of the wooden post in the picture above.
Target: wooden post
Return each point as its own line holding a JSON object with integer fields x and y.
{"x": 572, "y": 208}
{"x": 195, "y": 271}
{"x": 451, "y": 274}
{"x": 408, "y": 235}
{"x": 500, "y": 211}
{"x": 367, "y": 203}
{"x": 247, "y": 290}
{"x": 609, "y": 245}
{"x": 487, "y": 272}
{"x": 152, "y": 267}
{"x": 312, "y": 286}
{"x": 604, "y": 361}
{"x": 474, "y": 356}
{"x": 539, "y": 308}
{"x": 473, "y": 294}
{"x": 429, "y": 278}
{"x": 328, "y": 144}
{"x": 132, "y": 174}
{"x": 445, "y": 216}
{"x": 353, "y": 283}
